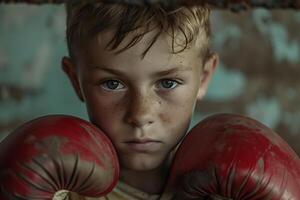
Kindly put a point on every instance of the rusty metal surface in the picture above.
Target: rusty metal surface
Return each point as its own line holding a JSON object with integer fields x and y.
{"x": 235, "y": 5}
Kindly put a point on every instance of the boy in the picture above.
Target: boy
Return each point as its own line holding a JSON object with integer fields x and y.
{"x": 140, "y": 71}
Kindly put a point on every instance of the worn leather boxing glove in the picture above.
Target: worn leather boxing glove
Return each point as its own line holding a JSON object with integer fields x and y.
{"x": 55, "y": 153}
{"x": 232, "y": 157}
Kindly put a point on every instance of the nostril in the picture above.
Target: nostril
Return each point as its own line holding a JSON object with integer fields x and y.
{"x": 150, "y": 122}
{"x": 140, "y": 122}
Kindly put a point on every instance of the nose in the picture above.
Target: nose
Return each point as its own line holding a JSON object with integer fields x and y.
{"x": 141, "y": 110}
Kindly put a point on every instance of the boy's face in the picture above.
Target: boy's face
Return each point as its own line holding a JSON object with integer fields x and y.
{"x": 143, "y": 105}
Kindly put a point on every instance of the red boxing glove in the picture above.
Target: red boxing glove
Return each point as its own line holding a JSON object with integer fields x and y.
{"x": 56, "y": 153}
{"x": 229, "y": 156}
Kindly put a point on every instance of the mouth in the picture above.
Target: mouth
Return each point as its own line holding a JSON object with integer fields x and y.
{"x": 143, "y": 145}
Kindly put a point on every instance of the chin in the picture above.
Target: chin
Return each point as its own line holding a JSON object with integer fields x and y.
{"x": 141, "y": 162}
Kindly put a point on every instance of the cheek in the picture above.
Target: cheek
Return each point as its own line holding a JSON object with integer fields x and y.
{"x": 176, "y": 116}
{"x": 179, "y": 106}
{"x": 102, "y": 111}
{"x": 108, "y": 120}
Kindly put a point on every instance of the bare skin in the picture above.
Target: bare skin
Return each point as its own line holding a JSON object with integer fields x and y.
{"x": 143, "y": 104}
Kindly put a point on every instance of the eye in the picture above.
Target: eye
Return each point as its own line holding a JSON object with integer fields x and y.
{"x": 112, "y": 85}
{"x": 168, "y": 84}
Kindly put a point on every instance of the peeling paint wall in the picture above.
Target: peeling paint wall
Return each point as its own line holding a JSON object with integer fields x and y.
{"x": 259, "y": 69}
{"x": 257, "y": 75}
{"x": 32, "y": 83}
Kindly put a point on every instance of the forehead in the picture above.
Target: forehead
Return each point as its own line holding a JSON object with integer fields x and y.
{"x": 160, "y": 54}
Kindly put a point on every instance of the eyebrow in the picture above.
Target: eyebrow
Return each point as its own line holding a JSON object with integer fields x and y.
{"x": 178, "y": 68}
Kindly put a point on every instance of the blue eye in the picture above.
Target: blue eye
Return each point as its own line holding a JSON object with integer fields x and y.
{"x": 112, "y": 85}
{"x": 168, "y": 84}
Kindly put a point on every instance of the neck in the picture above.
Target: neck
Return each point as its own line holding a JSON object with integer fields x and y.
{"x": 155, "y": 179}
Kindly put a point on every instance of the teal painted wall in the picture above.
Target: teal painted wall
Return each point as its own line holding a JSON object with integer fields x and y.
{"x": 31, "y": 80}
{"x": 257, "y": 75}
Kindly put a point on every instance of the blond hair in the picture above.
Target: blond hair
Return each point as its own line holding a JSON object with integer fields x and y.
{"x": 85, "y": 20}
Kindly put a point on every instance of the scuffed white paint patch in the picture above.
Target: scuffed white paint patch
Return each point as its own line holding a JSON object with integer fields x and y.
{"x": 292, "y": 121}
{"x": 226, "y": 84}
{"x": 18, "y": 15}
{"x": 284, "y": 48}
{"x": 266, "y": 110}
{"x": 3, "y": 60}
{"x": 297, "y": 16}
{"x": 34, "y": 75}
{"x": 230, "y": 32}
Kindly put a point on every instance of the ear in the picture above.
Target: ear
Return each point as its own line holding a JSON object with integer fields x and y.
{"x": 208, "y": 70}
{"x": 70, "y": 70}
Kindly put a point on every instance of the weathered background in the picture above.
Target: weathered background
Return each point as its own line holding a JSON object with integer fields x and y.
{"x": 257, "y": 76}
